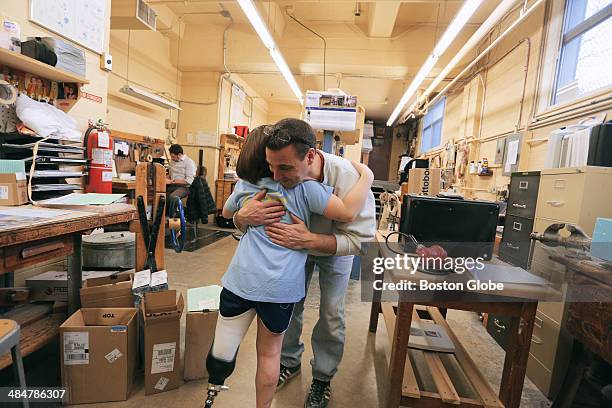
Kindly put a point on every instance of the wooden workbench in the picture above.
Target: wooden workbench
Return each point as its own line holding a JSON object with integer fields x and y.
{"x": 33, "y": 243}
{"x": 519, "y": 302}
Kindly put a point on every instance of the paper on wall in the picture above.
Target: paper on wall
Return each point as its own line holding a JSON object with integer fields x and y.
{"x": 76, "y": 348}
{"x": 4, "y": 192}
{"x": 512, "y": 155}
{"x": 162, "y": 360}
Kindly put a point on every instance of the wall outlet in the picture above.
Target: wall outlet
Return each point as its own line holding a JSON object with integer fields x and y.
{"x": 106, "y": 62}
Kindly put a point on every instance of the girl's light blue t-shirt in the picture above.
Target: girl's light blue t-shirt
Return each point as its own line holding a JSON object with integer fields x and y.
{"x": 261, "y": 270}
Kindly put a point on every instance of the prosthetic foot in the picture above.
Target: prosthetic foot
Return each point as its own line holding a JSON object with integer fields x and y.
{"x": 219, "y": 371}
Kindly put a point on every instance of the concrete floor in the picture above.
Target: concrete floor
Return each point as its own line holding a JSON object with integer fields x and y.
{"x": 359, "y": 382}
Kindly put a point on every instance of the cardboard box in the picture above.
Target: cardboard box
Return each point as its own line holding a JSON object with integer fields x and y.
{"x": 202, "y": 314}
{"x": 53, "y": 285}
{"x": 98, "y": 352}
{"x": 162, "y": 340}
{"x": 13, "y": 189}
{"x": 108, "y": 291}
{"x": 424, "y": 181}
{"x": 199, "y": 336}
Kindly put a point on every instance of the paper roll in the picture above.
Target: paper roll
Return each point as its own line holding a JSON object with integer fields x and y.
{"x": 8, "y": 93}
{"x": 149, "y": 158}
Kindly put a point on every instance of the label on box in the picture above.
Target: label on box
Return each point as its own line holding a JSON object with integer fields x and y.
{"x": 103, "y": 140}
{"x": 161, "y": 383}
{"x": 4, "y": 192}
{"x": 20, "y": 176}
{"x": 107, "y": 176}
{"x": 163, "y": 358}
{"x": 118, "y": 329}
{"x": 76, "y": 348}
{"x": 159, "y": 278}
{"x": 142, "y": 278}
{"x": 113, "y": 356}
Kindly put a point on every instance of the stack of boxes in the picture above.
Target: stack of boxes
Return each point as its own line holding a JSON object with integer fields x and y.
{"x": 129, "y": 321}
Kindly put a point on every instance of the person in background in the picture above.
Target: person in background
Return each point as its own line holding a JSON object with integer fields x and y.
{"x": 182, "y": 173}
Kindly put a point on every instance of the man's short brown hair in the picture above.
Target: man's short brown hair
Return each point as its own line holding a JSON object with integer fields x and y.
{"x": 294, "y": 132}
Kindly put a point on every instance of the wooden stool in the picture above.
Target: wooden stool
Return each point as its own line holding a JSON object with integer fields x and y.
{"x": 9, "y": 340}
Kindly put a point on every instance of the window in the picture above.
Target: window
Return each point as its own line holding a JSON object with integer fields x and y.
{"x": 432, "y": 126}
{"x": 586, "y": 49}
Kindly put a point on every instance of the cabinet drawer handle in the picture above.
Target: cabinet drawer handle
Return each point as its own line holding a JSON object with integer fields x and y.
{"x": 515, "y": 247}
{"x": 517, "y": 226}
{"x": 555, "y": 203}
{"x": 41, "y": 249}
{"x": 536, "y": 340}
{"x": 559, "y": 183}
{"x": 537, "y": 322}
{"x": 523, "y": 185}
{"x": 498, "y": 324}
{"x": 519, "y": 205}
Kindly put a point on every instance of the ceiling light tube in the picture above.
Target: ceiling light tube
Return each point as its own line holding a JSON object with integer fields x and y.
{"x": 453, "y": 29}
{"x": 257, "y": 22}
{"x": 262, "y": 30}
{"x": 412, "y": 88}
{"x": 284, "y": 69}
{"x": 473, "y": 41}
{"x": 447, "y": 38}
{"x": 503, "y": 35}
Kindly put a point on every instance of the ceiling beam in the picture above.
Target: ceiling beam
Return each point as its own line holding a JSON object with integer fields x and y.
{"x": 381, "y": 18}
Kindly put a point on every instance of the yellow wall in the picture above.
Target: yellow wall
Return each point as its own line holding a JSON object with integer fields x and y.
{"x": 201, "y": 112}
{"x": 84, "y": 109}
{"x": 150, "y": 67}
{"x": 484, "y": 114}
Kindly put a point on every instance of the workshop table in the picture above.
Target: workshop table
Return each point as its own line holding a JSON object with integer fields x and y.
{"x": 31, "y": 244}
{"x": 519, "y": 301}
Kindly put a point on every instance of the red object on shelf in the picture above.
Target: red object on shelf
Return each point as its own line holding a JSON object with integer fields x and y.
{"x": 100, "y": 157}
{"x": 242, "y": 131}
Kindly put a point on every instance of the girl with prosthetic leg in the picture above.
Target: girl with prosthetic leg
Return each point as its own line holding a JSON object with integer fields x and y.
{"x": 265, "y": 279}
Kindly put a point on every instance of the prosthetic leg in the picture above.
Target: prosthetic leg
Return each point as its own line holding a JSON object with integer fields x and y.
{"x": 221, "y": 359}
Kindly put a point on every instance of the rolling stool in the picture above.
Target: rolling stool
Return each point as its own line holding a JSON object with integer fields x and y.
{"x": 9, "y": 340}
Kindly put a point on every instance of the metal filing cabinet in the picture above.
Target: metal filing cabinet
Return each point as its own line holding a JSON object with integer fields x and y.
{"x": 515, "y": 245}
{"x": 518, "y": 225}
{"x": 566, "y": 195}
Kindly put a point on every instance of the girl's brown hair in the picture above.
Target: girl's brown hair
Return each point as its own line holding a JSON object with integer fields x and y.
{"x": 252, "y": 165}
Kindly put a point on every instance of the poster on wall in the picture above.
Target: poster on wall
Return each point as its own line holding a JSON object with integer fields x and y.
{"x": 82, "y": 21}
{"x": 239, "y": 109}
{"x": 328, "y": 111}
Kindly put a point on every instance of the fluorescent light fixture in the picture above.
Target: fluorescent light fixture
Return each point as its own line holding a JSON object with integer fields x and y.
{"x": 447, "y": 38}
{"x": 453, "y": 29}
{"x": 284, "y": 69}
{"x": 262, "y": 30}
{"x": 257, "y": 22}
{"x": 148, "y": 97}
{"x": 412, "y": 88}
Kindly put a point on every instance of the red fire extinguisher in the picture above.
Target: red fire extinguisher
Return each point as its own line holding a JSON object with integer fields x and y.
{"x": 100, "y": 158}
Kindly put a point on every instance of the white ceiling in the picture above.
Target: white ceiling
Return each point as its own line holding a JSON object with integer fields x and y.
{"x": 377, "y": 70}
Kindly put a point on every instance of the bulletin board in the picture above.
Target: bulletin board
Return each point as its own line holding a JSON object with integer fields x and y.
{"x": 81, "y": 21}
{"x": 240, "y": 108}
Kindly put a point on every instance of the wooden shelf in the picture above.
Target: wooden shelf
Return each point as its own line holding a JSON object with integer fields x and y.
{"x": 26, "y": 64}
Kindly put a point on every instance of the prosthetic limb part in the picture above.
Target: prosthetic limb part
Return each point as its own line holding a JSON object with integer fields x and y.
{"x": 221, "y": 359}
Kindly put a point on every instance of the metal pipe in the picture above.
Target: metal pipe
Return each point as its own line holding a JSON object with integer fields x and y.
{"x": 321, "y": 37}
{"x": 486, "y": 50}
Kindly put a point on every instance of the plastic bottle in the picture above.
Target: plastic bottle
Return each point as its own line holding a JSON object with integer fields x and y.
{"x": 472, "y": 167}
{"x": 479, "y": 169}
